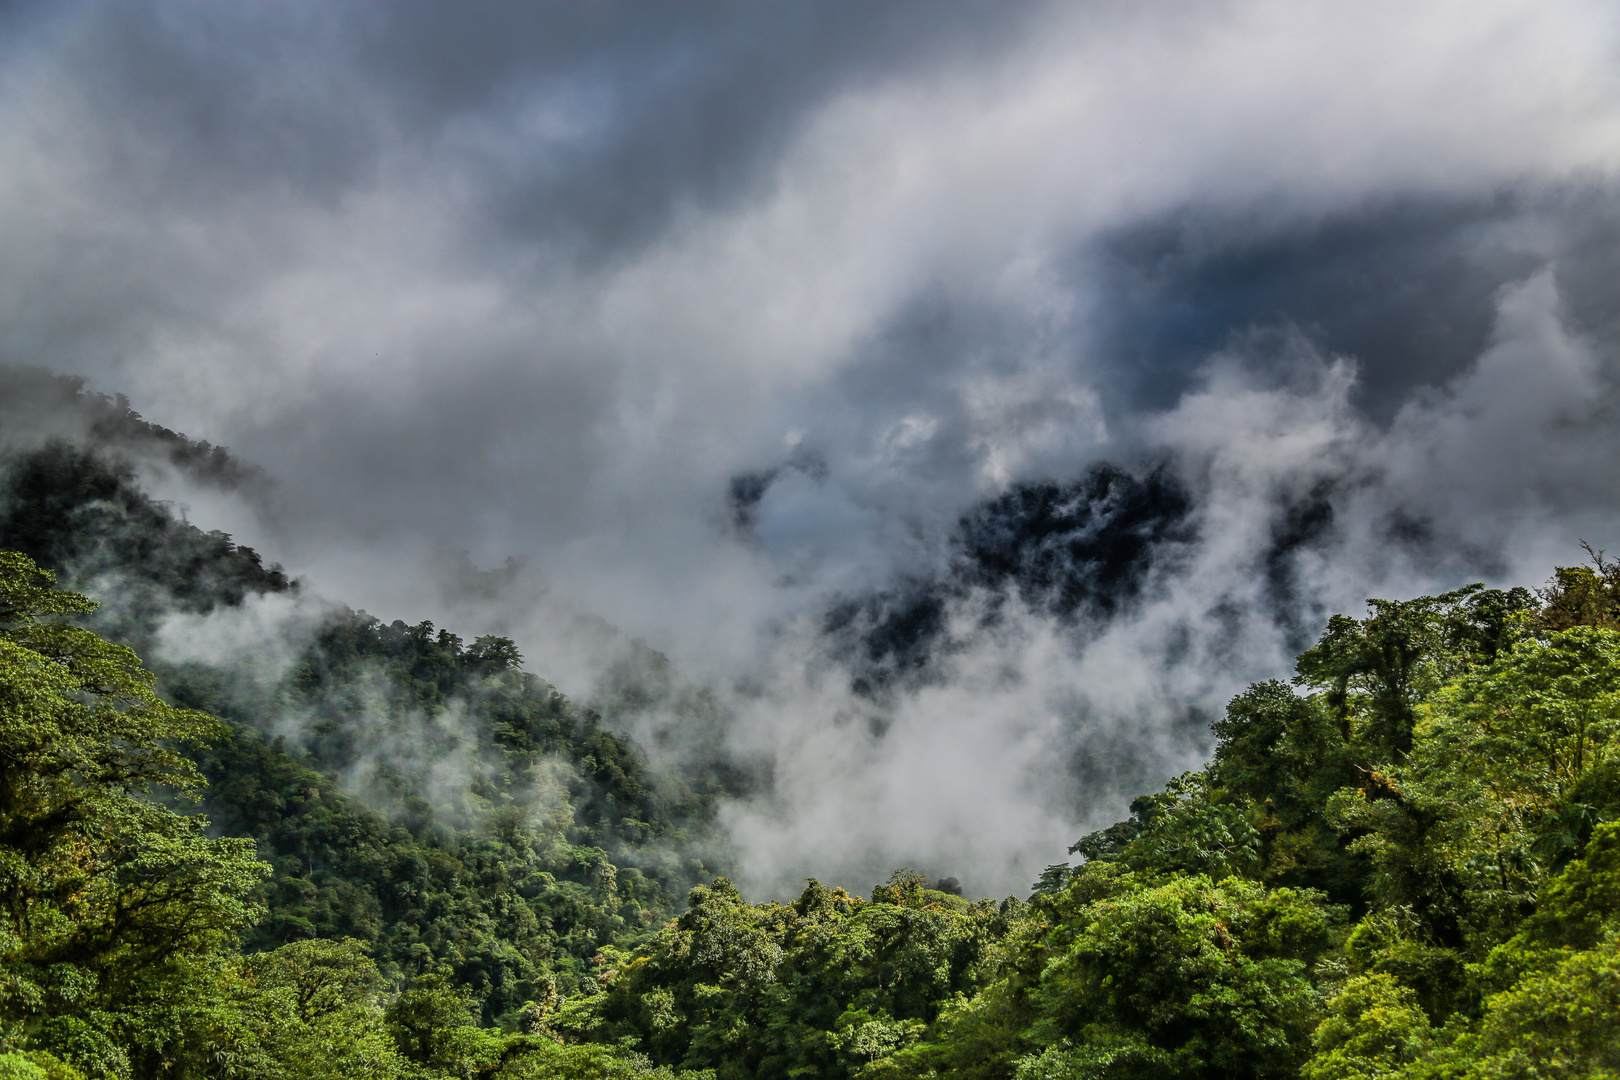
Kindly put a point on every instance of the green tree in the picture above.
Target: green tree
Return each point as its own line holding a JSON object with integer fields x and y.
{"x": 112, "y": 907}
{"x": 308, "y": 1010}
{"x": 1286, "y": 754}
{"x": 1281, "y": 750}
{"x": 1374, "y": 1028}
{"x": 1551, "y": 1025}
{"x": 1188, "y": 978}
{"x": 1194, "y": 830}
{"x": 1583, "y": 595}
{"x": 820, "y": 987}
{"x": 1374, "y": 670}
{"x": 432, "y": 1025}
{"x": 1459, "y": 830}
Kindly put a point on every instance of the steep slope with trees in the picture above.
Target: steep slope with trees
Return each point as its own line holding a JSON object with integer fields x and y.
{"x": 1402, "y": 862}
{"x": 559, "y": 842}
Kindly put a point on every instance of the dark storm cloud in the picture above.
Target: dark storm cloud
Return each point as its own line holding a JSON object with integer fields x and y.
{"x": 686, "y": 106}
{"x": 581, "y": 124}
{"x": 718, "y": 314}
{"x": 1407, "y": 287}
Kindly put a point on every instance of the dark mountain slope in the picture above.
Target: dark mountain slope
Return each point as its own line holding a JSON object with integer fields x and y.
{"x": 1079, "y": 552}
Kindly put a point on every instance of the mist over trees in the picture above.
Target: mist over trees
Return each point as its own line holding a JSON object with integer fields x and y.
{"x": 1067, "y": 540}
{"x": 1070, "y": 551}
{"x": 378, "y": 849}
{"x": 407, "y": 790}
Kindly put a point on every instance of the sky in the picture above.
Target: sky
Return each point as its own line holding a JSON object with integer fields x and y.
{"x": 539, "y": 282}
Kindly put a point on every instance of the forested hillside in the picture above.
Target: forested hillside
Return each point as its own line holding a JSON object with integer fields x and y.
{"x": 1403, "y": 859}
{"x": 555, "y": 843}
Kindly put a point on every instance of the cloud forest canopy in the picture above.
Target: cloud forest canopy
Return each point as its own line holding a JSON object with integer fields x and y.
{"x": 735, "y": 327}
{"x": 1404, "y": 861}
{"x": 706, "y": 440}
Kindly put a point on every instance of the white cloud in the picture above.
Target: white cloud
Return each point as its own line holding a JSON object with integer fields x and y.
{"x": 503, "y": 311}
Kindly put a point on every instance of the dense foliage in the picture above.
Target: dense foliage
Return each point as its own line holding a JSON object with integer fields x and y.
{"x": 121, "y": 920}
{"x": 557, "y": 845}
{"x": 419, "y": 860}
{"x": 819, "y": 987}
{"x": 409, "y": 790}
{"x": 1406, "y": 863}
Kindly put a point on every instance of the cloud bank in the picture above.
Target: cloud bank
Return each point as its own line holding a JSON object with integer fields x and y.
{"x": 557, "y": 283}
